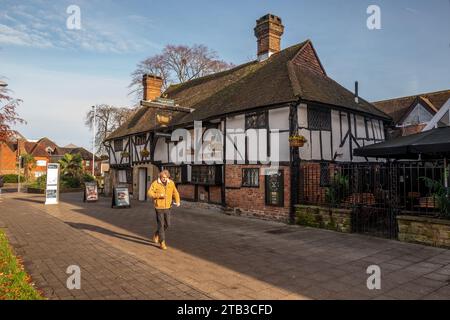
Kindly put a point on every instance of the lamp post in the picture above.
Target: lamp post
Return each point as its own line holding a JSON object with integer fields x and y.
{"x": 94, "y": 109}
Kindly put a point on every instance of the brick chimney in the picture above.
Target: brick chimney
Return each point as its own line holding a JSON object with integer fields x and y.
{"x": 268, "y": 31}
{"x": 152, "y": 86}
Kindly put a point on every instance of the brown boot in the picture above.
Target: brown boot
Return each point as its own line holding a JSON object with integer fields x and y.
{"x": 155, "y": 238}
{"x": 163, "y": 245}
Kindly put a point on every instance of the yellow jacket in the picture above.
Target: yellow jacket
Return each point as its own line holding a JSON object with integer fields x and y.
{"x": 163, "y": 194}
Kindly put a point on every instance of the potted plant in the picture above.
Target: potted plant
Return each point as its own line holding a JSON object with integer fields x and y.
{"x": 125, "y": 154}
{"x": 145, "y": 153}
{"x": 338, "y": 190}
{"x": 297, "y": 141}
{"x": 439, "y": 198}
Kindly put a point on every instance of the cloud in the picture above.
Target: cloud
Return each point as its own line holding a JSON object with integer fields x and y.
{"x": 55, "y": 102}
{"x": 20, "y": 37}
{"x": 44, "y": 26}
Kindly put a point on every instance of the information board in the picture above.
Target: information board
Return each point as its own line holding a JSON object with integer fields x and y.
{"x": 52, "y": 185}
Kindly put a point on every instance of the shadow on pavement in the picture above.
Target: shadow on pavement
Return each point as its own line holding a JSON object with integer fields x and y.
{"x": 127, "y": 237}
{"x": 30, "y": 200}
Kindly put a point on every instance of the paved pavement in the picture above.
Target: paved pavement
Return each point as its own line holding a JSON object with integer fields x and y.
{"x": 211, "y": 255}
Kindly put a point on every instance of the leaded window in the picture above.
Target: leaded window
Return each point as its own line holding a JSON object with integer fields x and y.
{"x": 175, "y": 173}
{"x": 256, "y": 121}
{"x": 250, "y": 177}
{"x": 118, "y": 145}
{"x": 204, "y": 174}
{"x": 319, "y": 119}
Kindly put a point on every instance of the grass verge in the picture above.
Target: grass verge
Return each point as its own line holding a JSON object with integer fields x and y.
{"x": 15, "y": 283}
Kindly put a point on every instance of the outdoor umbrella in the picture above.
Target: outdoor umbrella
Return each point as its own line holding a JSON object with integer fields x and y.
{"x": 434, "y": 143}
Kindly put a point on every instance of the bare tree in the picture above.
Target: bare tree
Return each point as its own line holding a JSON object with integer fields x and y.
{"x": 108, "y": 118}
{"x": 8, "y": 113}
{"x": 177, "y": 64}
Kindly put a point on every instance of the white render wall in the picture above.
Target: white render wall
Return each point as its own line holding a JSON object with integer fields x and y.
{"x": 337, "y": 144}
{"x": 348, "y": 131}
{"x": 115, "y": 156}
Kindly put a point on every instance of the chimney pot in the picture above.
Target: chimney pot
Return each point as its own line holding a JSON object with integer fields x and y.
{"x": 268, "y": 31}
{"x": 152, "y": 86}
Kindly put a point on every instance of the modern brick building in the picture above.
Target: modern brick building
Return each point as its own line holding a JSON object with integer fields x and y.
{"x": 43, "y": 151}
{"x": 258, "y": 106}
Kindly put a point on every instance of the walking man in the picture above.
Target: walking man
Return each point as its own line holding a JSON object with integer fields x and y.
{"x": 163, "y": 191}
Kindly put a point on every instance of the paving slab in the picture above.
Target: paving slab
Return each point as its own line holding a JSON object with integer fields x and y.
{"x": 211, "y": 255}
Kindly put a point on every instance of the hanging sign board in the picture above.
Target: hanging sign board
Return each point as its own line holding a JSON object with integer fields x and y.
{"x": 121, "y": 198}
{"x": 52, "y": 186}
{"x": 90, "y": 192}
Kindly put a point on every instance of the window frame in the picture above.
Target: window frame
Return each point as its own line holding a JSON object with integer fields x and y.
{"x": 258, "y": 115}
{"x": 244, "y": 182}
{"x": 116, "y": 144}
{"x": 197, "y": 170}
{"x": 319, "y": 112}
{"x": 181, "y": 177}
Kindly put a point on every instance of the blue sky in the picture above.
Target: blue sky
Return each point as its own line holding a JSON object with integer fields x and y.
{"x": 60, "y": 73}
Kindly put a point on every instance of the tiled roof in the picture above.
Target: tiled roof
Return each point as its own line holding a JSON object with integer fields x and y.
{"x": 277, "y": 80}
{"x": 397, "y": 107}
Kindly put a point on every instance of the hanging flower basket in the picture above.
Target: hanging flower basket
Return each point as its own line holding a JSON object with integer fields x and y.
{"x": 145, "y": 153}
{"x": 297, "y": 141}
{"x": 125, "y": 154}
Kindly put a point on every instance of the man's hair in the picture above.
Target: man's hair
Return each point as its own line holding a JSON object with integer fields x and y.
{"x": 165, "y": 173}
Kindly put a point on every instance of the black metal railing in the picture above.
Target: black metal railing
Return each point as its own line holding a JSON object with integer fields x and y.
{"x": 377, "y": 192}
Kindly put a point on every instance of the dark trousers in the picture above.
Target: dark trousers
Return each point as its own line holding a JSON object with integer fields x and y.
{"x": 163, "y": 222}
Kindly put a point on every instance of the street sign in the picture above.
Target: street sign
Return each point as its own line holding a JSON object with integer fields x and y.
{"x": 52, "y": 186}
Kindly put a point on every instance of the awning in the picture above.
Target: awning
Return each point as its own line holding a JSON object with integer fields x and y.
{"x": 434, "y": 143}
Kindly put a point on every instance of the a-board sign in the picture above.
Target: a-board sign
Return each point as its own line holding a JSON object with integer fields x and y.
{"x": 52, "y": 185}
{"x": 121, "y": 197}
{"x": 90, "y": 192}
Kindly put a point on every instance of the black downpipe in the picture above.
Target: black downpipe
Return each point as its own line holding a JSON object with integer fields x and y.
{"x": 294, "y": 163}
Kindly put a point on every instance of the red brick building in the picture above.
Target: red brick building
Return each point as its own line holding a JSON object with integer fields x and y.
{"x": 258, "y": 106}
{"x": 43, "y": 151}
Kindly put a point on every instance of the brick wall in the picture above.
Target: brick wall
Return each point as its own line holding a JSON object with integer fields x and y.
{"x": 307, "y": 59}
{"x": 7, "y": 160}
{"x": 215, "y": 194}
{"x": 251, "y": 201}
{"x": 187, "y": 191}
{"x": 424, "y": 230}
